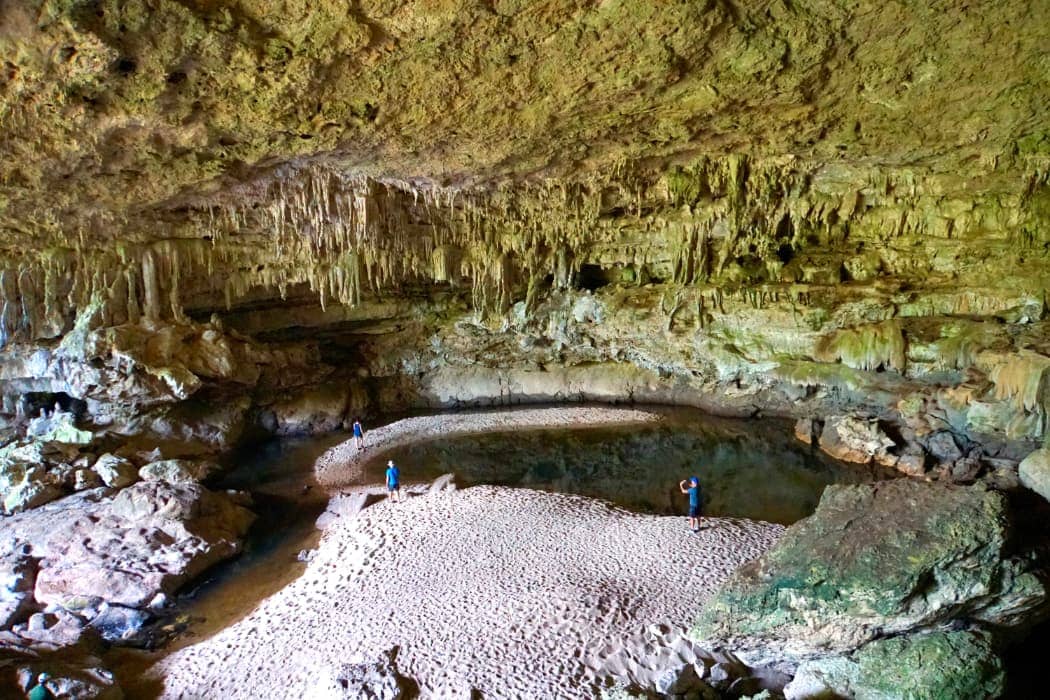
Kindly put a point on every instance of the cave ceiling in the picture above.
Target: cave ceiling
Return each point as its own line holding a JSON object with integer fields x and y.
{"x": 117, "y": 116}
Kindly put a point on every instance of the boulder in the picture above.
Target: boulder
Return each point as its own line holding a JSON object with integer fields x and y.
{"x": 874, "y": 560}
{"x": 854, "y": 440}
{"x": 118, "y": 624}
{"x": 150, "y": 538}
{"x": 1035, "y": 472}
{"x": 85, "y": 479}
{"x": 313, "y": 411}
{"x": 935, "y": 666}
{"x": 805, "y": 429}
{"x": 115, "y": 472}
{"x": 178, "y": 471}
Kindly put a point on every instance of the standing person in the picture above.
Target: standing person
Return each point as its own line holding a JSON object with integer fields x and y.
{"x": 40, "y": 691}
{"x": 691, "y": 486}
{"x": 393, "y": 481}
{"x": 359, "y": 434}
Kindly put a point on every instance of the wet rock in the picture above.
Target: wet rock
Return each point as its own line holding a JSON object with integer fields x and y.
{"x": 877, "y": 559}
{"x": 854, "y": 440}
{"x": 115, "y": 472}
{"x": 935, "y": 666}
{"x": 1034, "y": 471}
{"x": 178, "y": 471}
{"x": 121, "y": 625}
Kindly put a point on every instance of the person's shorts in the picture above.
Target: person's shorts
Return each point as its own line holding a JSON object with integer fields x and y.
{"x": 393, "y": 487}
{"x": 694, "y": 511}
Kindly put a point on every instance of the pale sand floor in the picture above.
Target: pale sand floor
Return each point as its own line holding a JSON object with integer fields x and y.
{"x": 515, "y": 593}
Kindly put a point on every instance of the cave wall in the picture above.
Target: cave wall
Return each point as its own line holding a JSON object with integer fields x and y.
{"x": 829, "y": 209}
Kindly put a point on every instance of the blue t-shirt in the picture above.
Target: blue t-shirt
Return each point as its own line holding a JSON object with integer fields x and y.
{"x": 392, "y": 476}
{"x": 694, "y": 496}
{"x": 357, "y": 430}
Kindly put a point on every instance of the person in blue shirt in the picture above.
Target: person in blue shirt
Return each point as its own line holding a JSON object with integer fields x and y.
{"x": 691, "y": 486}
{"x": 40, "y": 691}
{"x": 393, "y": 481}
{"x": 359, "y": 434}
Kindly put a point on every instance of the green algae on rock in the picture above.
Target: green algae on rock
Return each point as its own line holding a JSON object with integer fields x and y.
{"x": 874, "y": 561}
{"x": 933, "y": 666}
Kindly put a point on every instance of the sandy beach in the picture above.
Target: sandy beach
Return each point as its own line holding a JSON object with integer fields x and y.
{"x": 512, "y": 593}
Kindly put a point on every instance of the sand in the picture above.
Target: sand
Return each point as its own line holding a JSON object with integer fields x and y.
{"x": 511, "y": 592}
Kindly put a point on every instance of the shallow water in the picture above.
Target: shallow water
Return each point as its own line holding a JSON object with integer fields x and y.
{"x": 749, "y": 468}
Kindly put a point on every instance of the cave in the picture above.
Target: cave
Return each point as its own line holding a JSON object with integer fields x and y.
{"x": 523, "y": 349}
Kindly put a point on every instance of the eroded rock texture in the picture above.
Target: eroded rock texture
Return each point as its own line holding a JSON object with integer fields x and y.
{"x": 837, "y": 207}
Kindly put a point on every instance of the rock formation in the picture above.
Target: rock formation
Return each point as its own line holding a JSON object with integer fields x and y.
{"x": 221, "y": 219}
{"x": 893, "y": 569}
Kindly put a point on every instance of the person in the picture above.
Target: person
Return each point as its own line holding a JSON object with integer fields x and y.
{"x": 359, "y": 434}
{"x": 393, "y": 481}
{"x": 40, "y": 691}
{"x": 691, "y": 486}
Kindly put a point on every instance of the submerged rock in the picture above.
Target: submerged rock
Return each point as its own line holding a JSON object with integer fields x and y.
{"x": 875, "y": 560}
{"x": 935, "y": 666}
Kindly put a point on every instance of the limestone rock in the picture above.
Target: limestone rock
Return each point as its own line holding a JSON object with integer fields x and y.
{"x": 1035, "y": 472}
{"x": 854, "y": 440}
{"x": 934, "y": 666}
{"x": 805, "y": 430}
{"x": 178, "y": 471}
{"x": 313, "y": 411}
{"x": 115, "y": 472}
{"x": 150, "y": 538}
{"x": 873, "y": 560}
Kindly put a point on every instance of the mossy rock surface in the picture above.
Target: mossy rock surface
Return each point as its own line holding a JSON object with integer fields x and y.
{"x": 936, "y": 666}
{"x": 875, "y": 560}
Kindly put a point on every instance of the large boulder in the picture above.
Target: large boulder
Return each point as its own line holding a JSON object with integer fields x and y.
{"x": 875, "y": 560}
{"x": 115, "y": 472}
{"x": 312, "y": 411}
{"x": 855, "y": 440}
{"x": 936, "y": 666}
{"x": 178, "y": 471}
{"x": 1035, "y": 472}
{"x": 149, "y": 539}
